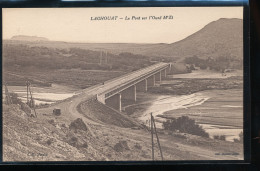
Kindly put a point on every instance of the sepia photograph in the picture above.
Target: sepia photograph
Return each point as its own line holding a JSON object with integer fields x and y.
{"x": 122, "y": 84}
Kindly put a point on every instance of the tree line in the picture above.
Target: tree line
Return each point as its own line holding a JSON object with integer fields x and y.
{"x": 218, "y": 64}
{"x": 36, "y": 58}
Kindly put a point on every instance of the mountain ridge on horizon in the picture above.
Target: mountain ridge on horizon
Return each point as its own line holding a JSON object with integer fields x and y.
{"x": 221, "y": 37}
{"x": 28, "y": 38}
{"x": 20, "y": 37}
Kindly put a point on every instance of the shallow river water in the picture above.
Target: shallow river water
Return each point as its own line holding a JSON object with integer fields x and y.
{"x": 211, "y": 109}
{"x": 43, "y": 95}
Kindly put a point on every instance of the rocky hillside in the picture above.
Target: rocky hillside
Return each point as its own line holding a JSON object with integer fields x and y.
{"x": 223, "y": 37}
{"x": 51, "y": 138}
{"x": 63, "y": 138}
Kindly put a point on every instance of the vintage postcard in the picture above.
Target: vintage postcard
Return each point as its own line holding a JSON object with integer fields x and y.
{"x": 122, "y": 84}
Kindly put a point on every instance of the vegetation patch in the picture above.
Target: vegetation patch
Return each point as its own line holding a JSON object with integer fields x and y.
{"x": 186, "y": 125}
{"x": 220, "y": 64}
{"x": 78, "y": 67}
{"x": 241, "y": 138}
{"x": 190, "y": 85}
{"x": 121, "y": 146}
{"x": 138, "y": 146}
{"x": 220, "y": 137}
{"x": 78, "y": 124}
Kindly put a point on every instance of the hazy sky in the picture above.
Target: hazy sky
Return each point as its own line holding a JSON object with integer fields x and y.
{"x": 74, "y": 24}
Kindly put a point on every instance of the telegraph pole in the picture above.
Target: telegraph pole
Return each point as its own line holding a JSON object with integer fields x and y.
{"x": 100, "y": 58}
{"x": 31, "y": 102}
{"x": 157, "y": 138}
{"x": 153, "y": 129}
{"x": 27, "y": 87}
{"x": 152, "y": 136}
{"x": 7, "y": 96}
{"x": 106, "y": 57}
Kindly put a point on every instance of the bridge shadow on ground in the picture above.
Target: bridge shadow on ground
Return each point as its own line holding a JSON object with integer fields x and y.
{"x": 100, "y": 113}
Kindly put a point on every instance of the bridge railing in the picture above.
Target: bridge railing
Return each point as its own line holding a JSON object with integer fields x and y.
{"x": 139, "y": 70}
{"x": 120, "y": 77}
{"x": 129, "y": 83}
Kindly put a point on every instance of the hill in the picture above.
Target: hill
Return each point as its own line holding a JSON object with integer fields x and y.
{"x": 223, "y": 37}
{"x": 29, "y": 38}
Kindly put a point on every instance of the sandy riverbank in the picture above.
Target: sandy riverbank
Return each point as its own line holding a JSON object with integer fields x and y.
{"x": 213, "y": 101}
{"x": 220, "y": 112}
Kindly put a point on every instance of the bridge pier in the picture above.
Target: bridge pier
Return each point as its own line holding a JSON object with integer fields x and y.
{"x": 158, "y": 76}
{"x": 101, "y": 98}
{"x": 142, "y": 86}
{"x": 151, "y": 81}
{"x": 115, "y": 94}
{"x": 169, "y": 68}
{"x": 114, "y": 102}
{"x": 163, "y": 74}
{"x": 129, "y": 93}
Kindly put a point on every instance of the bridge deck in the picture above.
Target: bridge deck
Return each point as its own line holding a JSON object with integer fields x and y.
{"x": 118, "y": 82}
{"x": 123, "y": 81}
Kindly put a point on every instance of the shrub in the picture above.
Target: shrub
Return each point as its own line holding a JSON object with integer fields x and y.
{"x": 50, "y": 141}
{"x": 73, "y": 141}
{"x": 186, "y": 125}
{"x": 31, "y": 103}
{"x": 138, "y": 146}
{"x": 121, "y": 146}
{"x": 203, "y": 66}
{"x": 192, "y": 67}
{"x": 220, "y": 137}
{"x": 180, "y": 136}
{"x": 236, "y": 140}
{"x": 14, "y": 98}
{"x": 188, "y": 69}
{"x": 241, "y": 139}
{"x": 216, "y": 137}
{"x": 41, "y": 105}
{"x": 52, "y": 122}
{"x": 78, "y": 124}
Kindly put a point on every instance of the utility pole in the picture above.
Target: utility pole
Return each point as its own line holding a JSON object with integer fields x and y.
{"x": 152, "y": 136}
{"x": 27, "y": 87}
{"x": 100, "y": 58}
{"x": 7, "y": 96}
{"x": 31, "y": 102}
{"x": 153, "y": 129}
{"x": 106, "y": 57}
{"x": 157, "y": 138}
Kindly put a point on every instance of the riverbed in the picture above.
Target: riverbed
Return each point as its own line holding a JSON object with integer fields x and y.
{"x": 219, "y": 112}
{"x": 44, "y": 95}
